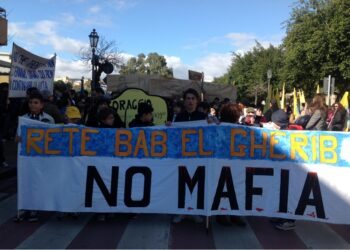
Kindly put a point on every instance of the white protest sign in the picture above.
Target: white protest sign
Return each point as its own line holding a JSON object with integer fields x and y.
{"x": 29, "y": 70}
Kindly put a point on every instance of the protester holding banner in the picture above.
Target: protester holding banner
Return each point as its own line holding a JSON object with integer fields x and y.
{"x": 107, "y": 118}
{"x": 230, "y": 113}
{"x": 318, "y": 114}
{"x": 190, "y": 112}
{"x": 144, "y": 116}
{"x": 36, "y": 106}
{"x": 280, "y": 121}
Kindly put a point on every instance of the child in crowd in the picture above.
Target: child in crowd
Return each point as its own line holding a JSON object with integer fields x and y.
{"x": 36, "y": 105}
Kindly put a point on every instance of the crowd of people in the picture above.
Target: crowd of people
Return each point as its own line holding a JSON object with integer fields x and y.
{"x": 65, "y": 106}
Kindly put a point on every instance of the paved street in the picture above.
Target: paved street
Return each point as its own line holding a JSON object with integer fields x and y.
{"x": 150, "y": 230}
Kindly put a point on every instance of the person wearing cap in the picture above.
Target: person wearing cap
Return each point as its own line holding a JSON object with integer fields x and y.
{"x": 249, "y": 119}
{"x": 73, "y": 115}
{"x": 144, "y": 116}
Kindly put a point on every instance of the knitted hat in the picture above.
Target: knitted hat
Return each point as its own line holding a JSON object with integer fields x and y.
{"x": 250, "y": 110}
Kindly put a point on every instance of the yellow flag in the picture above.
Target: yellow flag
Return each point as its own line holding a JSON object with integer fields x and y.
{"x": 301, "y": 96}
{"x": 302, "y": 99}
{"x": 344, "y": 100}
{"x": 283, "y": 94}
{"x": 295, "y": 104}
{"x": 318, "y": 89}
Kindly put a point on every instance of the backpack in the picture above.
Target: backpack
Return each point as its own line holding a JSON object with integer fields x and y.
{"x": 302, "y": 120}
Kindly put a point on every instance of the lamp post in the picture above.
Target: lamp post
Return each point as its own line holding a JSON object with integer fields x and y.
{"x": 269, "y": 76}
{"x": 82, "y": 86}
{"x": 93, "y": 44}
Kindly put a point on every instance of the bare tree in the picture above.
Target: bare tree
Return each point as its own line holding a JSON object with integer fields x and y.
{"x": 107, "y": 57}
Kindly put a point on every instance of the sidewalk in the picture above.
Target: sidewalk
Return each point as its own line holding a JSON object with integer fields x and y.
{"x": 10, "y": 148}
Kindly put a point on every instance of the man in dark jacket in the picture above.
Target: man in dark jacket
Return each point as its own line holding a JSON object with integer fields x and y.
{"x": 190, "y": 113}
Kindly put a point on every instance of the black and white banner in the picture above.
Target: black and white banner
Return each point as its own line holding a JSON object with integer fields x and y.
{"x": 204, "y": 170}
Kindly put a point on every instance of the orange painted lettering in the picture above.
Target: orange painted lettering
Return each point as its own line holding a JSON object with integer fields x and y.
{"x": 161, "y": 143}
{"x": 126, "y": 142}
{"x": 31, "y": 140}
{"x": 84, "y": 139}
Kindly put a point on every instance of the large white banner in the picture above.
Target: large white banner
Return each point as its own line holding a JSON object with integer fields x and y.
{"x": 199, "y": 169}
{"x": 29, "y": 70}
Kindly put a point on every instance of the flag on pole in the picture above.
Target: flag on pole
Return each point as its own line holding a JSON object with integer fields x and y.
{"x": 299, "y": 94}
{"x": 344, "y": 100}
{"x": 302, "y": 98}
{"x": 282, "y": 98}
{"x": 295, "y": 104}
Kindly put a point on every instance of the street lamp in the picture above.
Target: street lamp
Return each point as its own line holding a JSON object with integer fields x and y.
{"x": 93, "y": 44}
{"x": 269, "y": 76}
{"x": 82, "y": 86}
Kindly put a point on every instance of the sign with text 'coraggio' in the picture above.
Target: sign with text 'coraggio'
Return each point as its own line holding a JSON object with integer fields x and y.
{"x": 189, "y": 168}
{"x": 126, "y": 105}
